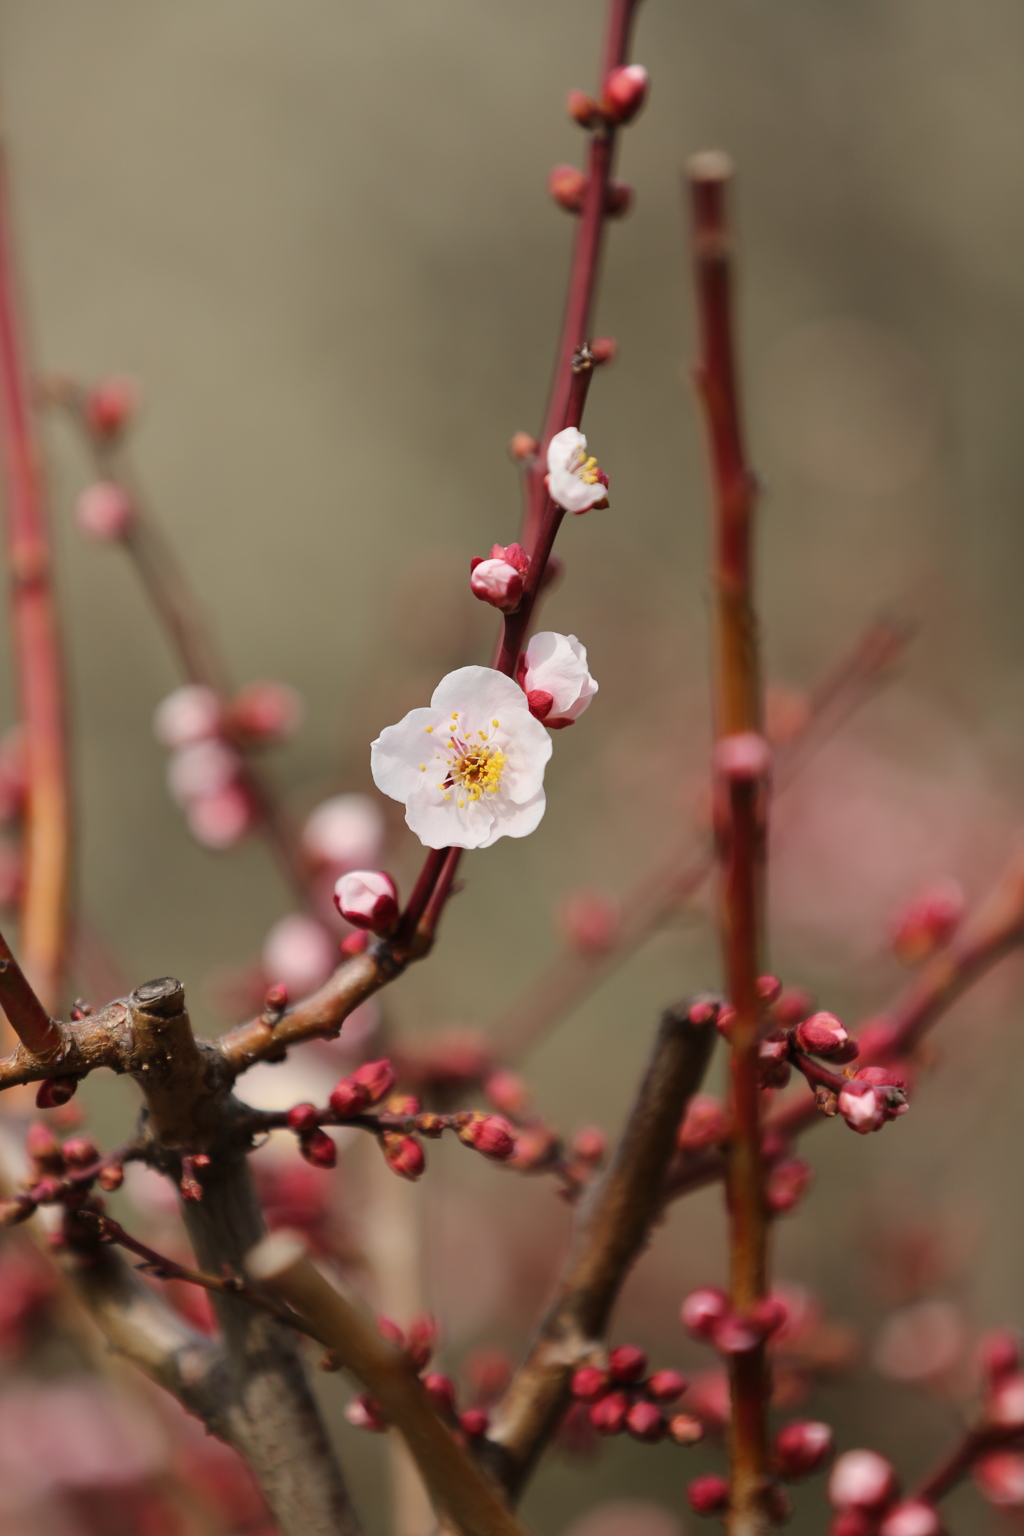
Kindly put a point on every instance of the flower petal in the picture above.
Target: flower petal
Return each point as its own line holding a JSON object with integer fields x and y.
{"x": 396, "y": 755}
{"x": 517, "y": 820}
{"x": 478, "y": 691}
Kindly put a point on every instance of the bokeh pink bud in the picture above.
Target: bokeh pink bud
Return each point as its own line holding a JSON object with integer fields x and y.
{"x": 220, "y": 820}
{"x": 377, "y": 1077}
{"x": 264, "y": 711}
{"x": 441, "y": 1391}
{"x": 368, "y": 898}
{"x": 298, "y": 953}
{"x": 626, "y": 1364}
{"x": 109, "y": 406}
{"x": 473, "y": 1423}
{"x": 567, "y": 186}
{"x": 862, "y": 1480}
{"x": 645, "y": 1422}
{"x": 786, "y": 1184}
{"x": 708, "y": 1495}
{"x": 589, "y": 1383}
{"x": 802, "y": 1448}
{"x": 928, "y": 921}
{"x": 363, "y": 1413}
{"x": 912, "y": 1518}
{"x": 608, "y": 1415}
{"x": 104, "y": 511}
{"x": 666, "y": 1386}
{"x": 1005, "y": 1407}
{"x": 702, "y": 1310}
{"x": 625, "y": 91}
{"x": 345, "y": 832}
{"x": 189, "y": 714}
{"x": 1000, "y": 1478}
{"x": 590, "y": 919}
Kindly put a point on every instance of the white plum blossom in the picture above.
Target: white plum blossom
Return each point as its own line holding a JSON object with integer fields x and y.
{"x": 575, "y": 481}
{"x": 470, "y": 767}
{"x": 553, "y": 674}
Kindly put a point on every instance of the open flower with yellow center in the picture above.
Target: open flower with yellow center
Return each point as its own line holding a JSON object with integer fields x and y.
{"x": 575, "y": 481}
{"x": 470, "y": 767}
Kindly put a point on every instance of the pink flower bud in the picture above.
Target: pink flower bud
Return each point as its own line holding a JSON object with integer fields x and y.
{"x": 523, "y": 446}
{"x": 368, "y": 898}
{"x": 80, "y": 1151}
{"x": 822, "y": 1034}
{"x": 666, "y": 1386}
{"x": 769, "y": 1315}
{"x": 441, "y": 1391}
{"x": 684, "y": 1429}
{"x": 345, "y": 831}
{"x": 42, "y": 1146}
{"x": 473, "y": 1423}
{"x": 786, "y": 1185}
{"x": 862, "y": 1480}
{"x": 318, "y": 1148}
{"x": 708, "y": 1495}
{"x": 1000, "y": 1478}
{"x": 104, "y": 511}
{"x": 363, "y": 1413}
{"x": 625, "y": 91}
{"x": 423, "y": 1336}
{"x": 863, "y": 1111}
{"x": 608, "y": 1416}
{"x": 404, "y": 1156}
{"x": 743, "y": 758}
{"x": 221, "y": 820}
{"x": 55, "y": 1091}
{"x": 494, "y": 1137}
{"x": 203, "y": 768}
{"x": 389, "y": 1330}
{"x": 702, "y": 1310}
{"x": 498, "y": 583}
{"x": 912, "y": 1518}
{"x": 852, "y": 1522}
{"x": 802, "y": 1447}
{"x": 110, "y": 1177}
{"x": 736, "y": 1335}
{"x": 928, "y": 921}
{"x": 589, "y": 1383}
{"x": 354, "y": 943}
{"x": 264, "y": 711}
{"x": 377, "y": 1077}
{"x": 405, "y": 1105}
{"x": 567, "y": 186}
{"x": 627, "y": 1363}
{"x": 298, "y": 953}
{"x": 589, "y": 1144}
{"x": 349, "y": 1098}
{"x": 725, "y": 1020}
{"x": 590, "y": 920}
{"x": 507, "y": 1091}
{"x": 619, "y": 199}
{"x": 109, "y": 406}
{"x": 1005, "y": 1407}
{"x": 705, "y": 1124}
{"x": 999, "y": 1355}
{"x": 187, "y": 715}
{"x": 604, "y": 350}
{"x": 583, "y": 109}
{"x": 644, "y": 1422}
{"x": 303, "y": 1117}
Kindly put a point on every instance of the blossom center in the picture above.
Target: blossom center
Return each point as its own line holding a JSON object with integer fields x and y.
{"x": 586, "y": 469}
{"x": 473, "y": 767}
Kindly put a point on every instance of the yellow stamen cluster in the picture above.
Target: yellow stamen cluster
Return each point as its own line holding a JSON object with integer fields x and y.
{"x": 589, "y": 471}
{"x": 474, "y": 768}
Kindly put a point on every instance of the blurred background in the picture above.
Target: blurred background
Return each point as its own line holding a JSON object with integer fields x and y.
{"x": 318, "y": 236}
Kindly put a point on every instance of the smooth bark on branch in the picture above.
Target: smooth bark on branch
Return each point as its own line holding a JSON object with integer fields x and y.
{"x": 461, "y": 1493}
{"x": 741, "y": 796}
{"x": 37, "y": 652}
{"x": 612, "y": 1230}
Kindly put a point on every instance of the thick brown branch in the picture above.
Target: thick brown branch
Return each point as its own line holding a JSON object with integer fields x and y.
{"x": 461, "y": 1493}
{"x": 613, "y": 1228}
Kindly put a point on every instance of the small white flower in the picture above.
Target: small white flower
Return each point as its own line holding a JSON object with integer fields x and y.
{"x": 556, "y": 666}
{"x": 470, "y": 768}
{"x": 574, "y": 481}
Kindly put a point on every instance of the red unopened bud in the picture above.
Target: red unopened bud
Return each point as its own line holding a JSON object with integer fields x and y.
{"x": 801, "y": 1448}
{"x": 493, "y": 1136}
{"x": 377, "y": 1077}
{"x": 507, "y": 1091}
{"x": 684, "y": 1429}
{"x": 473, "y": 1423}
{"x": 423, "y": 1335}
{"x": 55, "y": 1091}
{"x": 389, "y": 1329}
{"x": 644, "y": 1422}
{"x": 441, "y": 1391}
{"x": 702, "y": 1310}
{"x": 318, "y": 1148}
{"x": 104, "y": 511}
{"x": 498, "y": 583}
{"x": 589, "y": 1144}
{"x": 769, "y": 1315}
{"x": 725, "y": 1020}
{"x": 912, "y": 1518}
{"x": 404, "y": 1156}
{"x": 567, "y": 186}
{"x": 264, "y": 711}
{"x": 1005, "y": 1407}
{"x": 583, "y": 109}
{"x": 43, "y": 1147}
{"x": 794, "y": 1004}
{"x": 627, "y": 1363}
{"x": 999, "y": 1355}
{"x": 822, "y": 1034}
{"x": 706, "y": 1123}
{"x": 589, "y": 1383}
{"x": 354, "y": 943}
{"x": 862, "y": 1480}
{"x": 625, "y": 91}
{"x": 80, "y": 1151}
{"x": 608, "y": 1416}
{"x": 619, "y": 199}
{"x": 666, "y": 1386}
{"x": 604, "y": 350}
{"x": 736, "y": 1335}
{"x": 363, "y": 1413}
{"x": 349, "y": 1097}
{"x": 1000, "y": 1478}
{"x": 786, "y": 1185}
{"x": 514, "y": 554}
{"x": 110, "y": 1177}
{"x": 368, "y": 898}
{"x": 275, "y": 999}
{"x": 523, "y": 446}
{"x": 303, "y": 1117}
{"x": 590, "y": 920}
{"x": 863, "y": 1111}
{"x": 743, "y": 758}
{"x": 708, "y": 1495}
{"x": 928, "y": 921}
{"x": 110, "y": 405}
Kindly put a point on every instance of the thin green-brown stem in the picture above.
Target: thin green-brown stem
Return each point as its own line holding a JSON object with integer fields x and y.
{"x": 741, "y": 792}
{"x": 37, "y": 652}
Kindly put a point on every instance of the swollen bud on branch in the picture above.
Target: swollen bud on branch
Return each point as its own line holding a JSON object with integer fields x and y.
{"x": 626, "y": 1364}
{"x": 368, "y": 898}
{"x": 644, "y": 1422}
{"x": 104, "y": 511}
{"x": 318, "y": 1148}
{"x": 608, "y": 1416}
{"x": 824, "y": 1035}
{"x": 55, "y": 1091}
{"x": 702, "y": 1310}
{"x": 862, "y": 1480}
{"x": 498, "y": 583}
{"x": 666, "y": 1386}
{"x": 625, "y": 92}
{"x": 376, "y": 1077}
{"x": 403, "y": 1155}
{"x": 363, "y": 1413}
{"x": 583, "y": 109}
{"x": 708, "y": 1495}
{"x": 264, "y": 711}
{"x": 567, "y": 186}
{"x": 912, "y": 1518}
{"x": 589, "y": 1383}
{"x": 802, "y": 1448}
{"x": 109, "y": 406}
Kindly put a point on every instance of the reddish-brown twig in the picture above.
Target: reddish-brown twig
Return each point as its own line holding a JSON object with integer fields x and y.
{"x": 38, "y": 1033}
{"x": 44, "y": 901}
{"x": 740, "y": 797}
